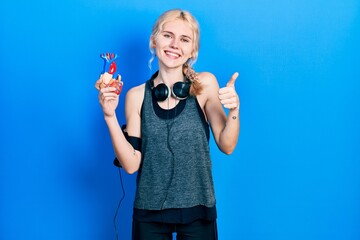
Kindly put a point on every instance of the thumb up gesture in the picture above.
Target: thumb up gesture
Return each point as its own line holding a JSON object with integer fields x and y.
{"x": 228, "y": 96}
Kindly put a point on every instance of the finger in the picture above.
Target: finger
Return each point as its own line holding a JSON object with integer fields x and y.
{"x": 226, "y": 90}
{"x": 108, "y": 96}
{"x": 97, "y": 84}
{"x": 108, "y": 89}
{"x": 229, "y": 95}
{"x": 228, "y": 101}
{"x": 230, "y": 104}
{"x": 231, "y": 82}
{"x": 104, "y": 98}
{"x": 109, "y": 99}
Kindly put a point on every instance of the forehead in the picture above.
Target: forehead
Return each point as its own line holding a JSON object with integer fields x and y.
{"x": 178, "y": 27}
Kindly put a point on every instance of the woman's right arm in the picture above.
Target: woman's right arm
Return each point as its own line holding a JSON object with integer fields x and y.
{"x": 128, "y": 157}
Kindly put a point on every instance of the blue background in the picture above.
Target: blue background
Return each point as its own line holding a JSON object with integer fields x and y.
{"x": 295, "y": 173}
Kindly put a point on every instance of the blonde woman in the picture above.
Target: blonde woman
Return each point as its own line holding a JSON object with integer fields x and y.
{"x": 169, "y": 118}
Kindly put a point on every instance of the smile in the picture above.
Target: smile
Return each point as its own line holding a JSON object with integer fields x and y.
{"x": 172, "y": 54}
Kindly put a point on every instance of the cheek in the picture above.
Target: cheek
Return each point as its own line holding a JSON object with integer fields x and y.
{"x": 159, "y": 43}
{"x": 188, "y": 50}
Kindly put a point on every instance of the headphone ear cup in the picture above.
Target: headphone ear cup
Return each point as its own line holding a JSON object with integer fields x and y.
{"x": 160, "y": 92}
{"x": 181, "y": 90}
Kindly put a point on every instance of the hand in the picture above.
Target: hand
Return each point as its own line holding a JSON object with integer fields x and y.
{"x": 106, "y": 80}
{"x": 228, "y": 96}
{"x": 99, "y": 83}
{"x": 108, "y": 100}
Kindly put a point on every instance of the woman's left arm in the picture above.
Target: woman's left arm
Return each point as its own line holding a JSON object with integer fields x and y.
{"x": 225, "y": 129}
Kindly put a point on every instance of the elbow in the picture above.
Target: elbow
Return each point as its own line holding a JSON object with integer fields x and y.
{"x": 227, "y": 145}
{"x": 127, "y": 169}
{"x": 228, "y": 150}
{"x": 130, "y": 170}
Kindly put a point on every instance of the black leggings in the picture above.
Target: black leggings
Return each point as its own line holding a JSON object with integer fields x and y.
{"x": 197, "y": 230}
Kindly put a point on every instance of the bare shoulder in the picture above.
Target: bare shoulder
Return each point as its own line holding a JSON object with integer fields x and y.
{"x": 135, "y": 97}
{"x": 207, "y": 79}
{"x": 210, "y": 87}
{"x": 136, "y": 91}
{"x": 209, "y": 83}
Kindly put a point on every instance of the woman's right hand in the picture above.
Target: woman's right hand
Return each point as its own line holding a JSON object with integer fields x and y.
{"x": 108, "y": 100}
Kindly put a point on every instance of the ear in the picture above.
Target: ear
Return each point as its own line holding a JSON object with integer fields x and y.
{"x": 192, "y": 55}
{"x": 190, "y": 60}
{"x": 152, "y": 42}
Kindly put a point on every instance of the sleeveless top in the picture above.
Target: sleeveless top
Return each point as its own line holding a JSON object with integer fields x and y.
{"x": 176, "y": 169}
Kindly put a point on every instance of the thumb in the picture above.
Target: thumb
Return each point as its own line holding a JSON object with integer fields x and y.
{"x": 231, "y": 82}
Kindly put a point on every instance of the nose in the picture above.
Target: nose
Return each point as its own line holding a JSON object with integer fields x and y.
{"x": 174, "y": 43}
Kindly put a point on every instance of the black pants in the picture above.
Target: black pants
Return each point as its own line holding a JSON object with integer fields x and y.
{"x": 197, "y": 230}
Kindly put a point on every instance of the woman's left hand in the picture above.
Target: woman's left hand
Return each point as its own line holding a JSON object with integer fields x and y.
{"x": 228, "y": 96}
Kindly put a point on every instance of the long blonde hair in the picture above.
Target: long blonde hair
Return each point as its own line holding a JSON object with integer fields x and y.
{"x": 178, "y": 14}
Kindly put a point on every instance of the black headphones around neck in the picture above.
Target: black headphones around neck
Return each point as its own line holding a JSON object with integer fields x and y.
{"x": 180, "y": 90}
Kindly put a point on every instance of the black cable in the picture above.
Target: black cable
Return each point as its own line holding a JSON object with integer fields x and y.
{"x": 169, "y": 125}
{"x": 118, "y": 207}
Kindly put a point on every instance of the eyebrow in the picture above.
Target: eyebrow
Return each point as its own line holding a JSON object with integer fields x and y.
{"x": 186, "y": 36}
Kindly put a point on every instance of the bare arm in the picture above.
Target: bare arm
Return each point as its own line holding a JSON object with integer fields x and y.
{"x": 225, "y": 129}
{"x": 128, "y": 157}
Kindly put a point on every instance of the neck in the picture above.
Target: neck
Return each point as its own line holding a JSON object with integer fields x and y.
{"x": 170, "y": 76}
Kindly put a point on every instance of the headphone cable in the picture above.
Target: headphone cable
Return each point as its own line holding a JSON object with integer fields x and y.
{"x": 119, "y": 204}
{"x": 169, "y": 125}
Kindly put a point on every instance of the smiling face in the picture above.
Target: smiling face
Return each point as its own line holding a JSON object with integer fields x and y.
{"x": 177, "y": 23}
{"x": 174, "y": 44}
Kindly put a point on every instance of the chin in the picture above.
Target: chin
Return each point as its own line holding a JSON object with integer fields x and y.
{"x": 174, "y": 64}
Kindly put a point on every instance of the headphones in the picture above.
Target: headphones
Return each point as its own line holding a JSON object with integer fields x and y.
{"x": 180, "y": 90}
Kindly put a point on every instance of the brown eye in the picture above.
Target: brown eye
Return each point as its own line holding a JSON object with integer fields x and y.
{"x": 185, "y": 40}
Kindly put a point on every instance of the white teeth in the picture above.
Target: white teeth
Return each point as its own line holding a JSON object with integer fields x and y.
{"x": 173, "y": 54}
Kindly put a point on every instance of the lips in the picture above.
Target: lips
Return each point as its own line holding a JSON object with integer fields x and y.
{"x": 172, "y": 54}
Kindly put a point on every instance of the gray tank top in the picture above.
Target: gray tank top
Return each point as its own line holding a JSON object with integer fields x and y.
{"x": 175, "y": 170}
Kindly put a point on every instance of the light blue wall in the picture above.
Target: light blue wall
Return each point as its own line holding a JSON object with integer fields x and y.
{"x": 296, "y": 171}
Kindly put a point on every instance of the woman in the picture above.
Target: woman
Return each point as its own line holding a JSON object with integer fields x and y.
{"x": 168, "y": 120}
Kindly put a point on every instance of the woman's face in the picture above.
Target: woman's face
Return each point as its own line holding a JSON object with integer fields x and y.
{"x": 174, "y": 44}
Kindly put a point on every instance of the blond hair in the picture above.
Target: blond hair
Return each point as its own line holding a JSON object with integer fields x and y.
{"x": 178, "y": 14}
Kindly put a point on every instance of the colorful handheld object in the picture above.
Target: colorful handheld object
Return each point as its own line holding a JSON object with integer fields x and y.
{"x": 110, "y": 77}
{"x": 109, "y": 62}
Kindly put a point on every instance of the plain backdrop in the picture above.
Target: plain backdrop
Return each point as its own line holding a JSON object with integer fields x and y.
{"x": 295, "y": 173}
